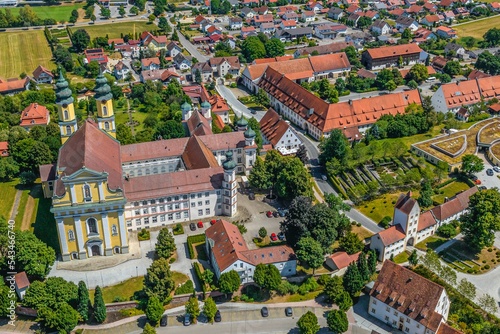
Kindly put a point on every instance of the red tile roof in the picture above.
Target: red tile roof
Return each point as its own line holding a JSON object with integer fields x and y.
{"x": 156, "y": 149}
{"x": 93, "y": 149}
{"x": 4, "y": 148}
{"x": 12, "y": 85}
{"x": 197, "y": 155}
{"x": 447, "y": 329}
{"x": 391, "y": 235}
{"x": 409, "y": 293}
{"x": 455, "y": 205}
{"x": 461, "y": 93}
{"x": 21, "y": 280}
{"x": 395, "y": 50}
{"x": 426, "y": 220}
{"x": 39, "y": 70}
{"x": 146, "y": 62}
{"x": 273, "y": 127}
{"x": 489, "y": 86}
{"x": 477, "y": 74}
{"x": 48, "y": 172}
{"x": 35, "y": 114}
{"x": 218, "y": 104}
{"x": 342, "y": 259}
{"x": 405, "y": 203}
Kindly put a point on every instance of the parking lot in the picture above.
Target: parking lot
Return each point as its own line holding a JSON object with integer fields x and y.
{"x": 486, "y": 180}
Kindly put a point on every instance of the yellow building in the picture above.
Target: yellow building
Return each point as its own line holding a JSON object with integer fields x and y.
{"x": 87, "y": 195}
{"x": 65, "y": 108}
{"x": 104, "y": 101}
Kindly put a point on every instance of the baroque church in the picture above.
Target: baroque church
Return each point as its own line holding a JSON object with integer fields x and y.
{"x": 102, "y": 190}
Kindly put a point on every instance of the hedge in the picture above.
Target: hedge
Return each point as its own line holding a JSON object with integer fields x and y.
{"x": 197, "y": 270}
{"x": 445, "y": 183}
{"x": 185, "y": 288}
{"x": 194, "y": 239}
{"x": 338, "y": 187}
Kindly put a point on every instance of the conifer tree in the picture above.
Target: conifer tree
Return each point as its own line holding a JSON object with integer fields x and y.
{"x": 83, "y": 301}
{"x": 99, "y": 306}
{"x": 352, "y": 280}
{"x": 372, "y": 261}
{"x": 364, "y": 271}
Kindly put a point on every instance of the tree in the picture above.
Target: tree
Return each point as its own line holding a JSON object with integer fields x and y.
{"x": 262, "y": 232}
{"x": 308, "y": 323}
{"x": 121, "y": 11}
{"x": 267, "y": 276}
{"x": 333, "y": 288}
{"x": 452, "y": 68}
{"x": 294, "y": 226}
{"x": 488, "y": 63}
{"x": 134, "y": 10}
{"x": 5, "y": 299}
{"x": 293, "y": 180}
{"x": 29, "y": 154}
{"x": 406, "y": 34}
{"x": 83, "y": 301}
{"x": 351, "y": 243}
{"x": 310, "y": 252}
{"x": 170, "y": 129}
{"x": 363, "y": 268}
{"x": 337, "y": 321}
{"x": 274, "y": 48}
{"x": 124, "y": 134}
{"x": 163, "y": 24}
{"x": 343, "y": 301}
{"x": 302, "y": 154}
{"x": 197, "y": 76}
{"x": 467, "y": 289}
{"x": 413, "y": 258}
{"x": 472, "y": 164}
{"x": 33, "y": 255}
{"x": 151, "y": 18}
{"x": 209, "y": 308}
{"x": 426, "y": 193}
{"x": 80, "y": 40}
{"x": 154, "y": 310}
{"x": 229, "y": 282}
{"x": 158, "y": 280}
{"x": 262, "y": 98}
{"x": 335, "y": 146}
{"x": 253, "y": 48}
{"x": 488, "y": 303}
{"x": 418, "y": 73}
{"x": 207, "y": 276}
{"x": 105, "y": 12}
{"x": 336, "y": 203}
{"x": 99, "y": 306}
{"x": 447, "y": 231}
{"x": 193, "y": 308}
{"x": 352, "y": 280}
{"x": 492, "y": 37}
{"x": 148, "y": 329}
{"x": 482, "y": 220}
{"x": 165, "y": 245}
{"x": 62, "y": 318}
{"x": 8, "y": 168}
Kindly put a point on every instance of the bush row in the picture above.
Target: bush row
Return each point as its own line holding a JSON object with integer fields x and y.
{"x": 197, "y": 270}
{"x": 194, "y": 239}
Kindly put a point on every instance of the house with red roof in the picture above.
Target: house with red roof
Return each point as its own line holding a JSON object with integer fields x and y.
{"x": 278, "y": 132}
{"x": 4, "y": 149}
{"x": 446, "y": 32}
{"x": 42, "y": 75}
{"x": 14, "y": 85}
{"x": 153, "y": 42}
{"x": 339, "y": 261}
{"x": 34, "y": 114}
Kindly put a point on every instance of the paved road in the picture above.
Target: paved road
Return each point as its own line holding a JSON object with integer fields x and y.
{"x": 191, "y": 48}
{"x": 238, "y": 107}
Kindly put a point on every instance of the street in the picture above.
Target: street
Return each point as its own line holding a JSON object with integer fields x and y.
{"x": 238, "y": 107}
{"x": 191, "y": 48}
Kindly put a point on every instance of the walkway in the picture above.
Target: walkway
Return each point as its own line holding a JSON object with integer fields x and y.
{"x": 15, "y": 206}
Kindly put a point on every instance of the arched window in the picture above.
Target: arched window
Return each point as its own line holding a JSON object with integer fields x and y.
{"x": 66, "y": 115}
{"x": 68, "y": 130}
{"x": 106, "y": 125}
{"x": 71, "y": 235}
{"x": 104, "y": 111}
{"x": 87, "y": 193}
{"x": 114, "y": 230}
{"x": 92, "y": 225}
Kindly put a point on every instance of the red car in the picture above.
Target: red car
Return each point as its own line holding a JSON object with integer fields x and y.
{"x": 213, "y": 221}
{"x": 274, "y": 237}
{"x": 200, "y": 224}
{"x": 269, "y": 214}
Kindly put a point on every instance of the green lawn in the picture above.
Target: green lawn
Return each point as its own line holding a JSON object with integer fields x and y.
{"x": 450, "y": 190}
{"x": 23, "y": 51}
{"x": 117, "y": 30}
{"x": 402, "y": 258}
{"x": 22, "y": 206}
{"x": 431, "y": 242}
{"x": 45, "y": 224}
{"x": 382, "y": 206}
{"x": 58, "y": 13}
{"x": 123, "y": 291}
{"x": 122, "y": 118}
{"x": 408, "y": 141}
{"x": 477, "y": 28}
{"x": 7, "y": 195}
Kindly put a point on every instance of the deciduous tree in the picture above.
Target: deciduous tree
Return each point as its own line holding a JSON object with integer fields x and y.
{"x": 308, "y": 323}
{"x": 351, "y": 243}
{"x": 62, "y": 318}
{"x": 33, "y": 255}
{"x": 209, "y": 308}
{"x": 148, "y": 329}
{"x": 337, "y": 321}
{"x": 262, "y": 232}
{"x": 154, "y": 310}
{"x": 488, "y": 303}
{"x": 267, "y": 276}
{"x": 165, "y": 244}
{"x": 467, "y": 289}
{"x": 193, "y": 308}
{"x": 80, "y": 40}
{"x": 472, "y": 164}
{"x": 229, "y": 282}
{"x": 274, "y": 48}
{"x": 418, "y": 73}
{"x": 310, "y": 252}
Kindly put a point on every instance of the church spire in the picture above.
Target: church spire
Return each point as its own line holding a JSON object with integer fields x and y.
{"x": 65, "y": 108}
{"x": 104, "y": 102}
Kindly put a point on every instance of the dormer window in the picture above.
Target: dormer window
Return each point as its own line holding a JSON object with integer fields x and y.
{"x": 87, "y": 193}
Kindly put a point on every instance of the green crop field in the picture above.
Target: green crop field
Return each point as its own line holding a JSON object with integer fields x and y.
{"x": 116, "y": 30}
{"x": 58, "y": 13}
{"x": 23, "y": 51}
{"x": 477, "y": 28}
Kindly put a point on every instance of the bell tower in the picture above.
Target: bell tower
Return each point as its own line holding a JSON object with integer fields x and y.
{"x": 104, "y": 101}
{"x": 229, "y": 192}
{"x": 65, "y": 108}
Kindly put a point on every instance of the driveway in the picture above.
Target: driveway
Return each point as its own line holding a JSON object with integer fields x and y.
{"x": 238, "y": 107}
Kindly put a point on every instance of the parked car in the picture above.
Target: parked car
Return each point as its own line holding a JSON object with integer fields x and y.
{"x": 489, "y": 172}
{"x": 163, "y": 321}
{"x": 213, "y": 221}
{"x": 217, "y": 317}
{"x": 282, "y": 212}
{"x": 200, "y": 224}
{"x": 273, "y": 237}
{"x": 473, "y": 177}
{"x": 482, "y": 188}
{"x": 477, "y": 182}
{"x": 187, "y": 319}
{"x": 251, "y": 196}
{"x": 496, "y": 169}
{"x": 276, "y": 214}
{"x": 264, "y": 312}
{"x": 288, "y": 312}
{"x": 269, "y": 214}
{"x": 324, "y": 178}
{"x": 281, "y": 236}
{"x": 192, "y": 227}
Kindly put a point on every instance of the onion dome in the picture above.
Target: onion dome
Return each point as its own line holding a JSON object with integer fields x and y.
{"x": 242, "y": 122}
{"x": 64, "y": 95}
{"x": 249, "y": 133}
{"x": 229, "y": 163}
{"x": 102, "y": 89}
{"x": 185, "y": 107}
{"x": 205, "y": 105}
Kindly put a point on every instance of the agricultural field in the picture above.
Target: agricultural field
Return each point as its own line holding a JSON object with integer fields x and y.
{"x": 59, "y": 13}
{"x": 477, "y": 28}
{"x": 117, "y": 30}
{"x": 23, "y": 51}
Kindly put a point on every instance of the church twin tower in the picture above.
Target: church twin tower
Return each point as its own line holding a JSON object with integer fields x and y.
{"x": 66, "y": 109}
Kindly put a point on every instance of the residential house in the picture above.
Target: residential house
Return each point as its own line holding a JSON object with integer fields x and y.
{"x": 173, "y": 49}
{"x": 446, "y": 3}
{"x": 456, "y": 50}
{"x": 262, "y": 10}
{"x": 33, "y": 115}
{"x": 339, "y": 261}
{"x": 150, "y": 64}
{"x": 235, "y": 23}
{"x": 222, "y": 66}
{"x": 477, "y": 74}
{"x": 278, "y": 132}
{"x": 227, "y": 250}
{"x": 183, "y": 62}
{"x": 205, "y": 70}
{"x": 354, "y": 8}
{"x": 494, "y": 6}
{"x": 439, "y": 63}
{"x": 308, "y": 16}
{"x": 213, "y": 30}
{"x": 354, "y": 18}
{"x": 41, "y": 75}
{"x": 410, "y": 225}
{"x": 449, "y": 16}
{"x": 248, "y": 31}
{"x": 446, "y": 32}
{"x": 414, "y": 10}
{"x": 460, "y": 11}
{"x": 199, "y": 20}
{"x": 430, "y": 7}
{"x": 422, "y": 35}
{"x": 373, "y": 15}
{"x": 288, "y": 24}
{"x": 358, "y": 38}
{"x": 463, "y": 114}
{"x": 14, "y": 85}
{"x": 362, "y": 73}
{"x": 165, "y": 76}
{"x": 397, "y": 12}
{"x": 4, "y": 149}
{"x": 247, "y": 13}
{"x": 403, "y": 23}
{"x": 315, "y": 6}
{"x": 259, "y": 19}
{"x": 327, "y": 30}
{"x": 289, "y": 35}
{"x": 335, "y": 13}
{"x": 121, "y": 71}
{"x": 290, "y": 15}
{"x": 96, "y": 55}
{"x": 430, "y": 20}
{"x": 409, "y": 302}
{"x": 381, "y": 27}
{"x": 388, "y": 56}
{"x": 153, "y": 42}
{"x": 250, "y": 3}
{"x": 21, "y": 284}
{"x": 268, "y": 28}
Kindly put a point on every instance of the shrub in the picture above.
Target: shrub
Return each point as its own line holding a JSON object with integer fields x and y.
{"x": 484, "y": 261}
{"x": 178, "y": 229}
{"x": 385, "y": 222}
{"x": 490, "y": 249}
{"x": 118, "y": 299}
{"x": 447, "y": 231}
{"x": 286, "y": 287}
{"x": 194, "y": 239}
{"x": 486, "y": 267}
{"x": 143, "y": 235}
{"x": 197, "y": 270}
{"x": 172, "y": 260}
{"x": 185, "y": 288}
{"x": 470, "y": 271}
{"x": 323, "y": 279}
{"x": 233, "y": 85}
{"x": 309, "y": 285}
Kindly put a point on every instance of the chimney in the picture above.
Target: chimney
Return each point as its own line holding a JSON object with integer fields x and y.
{"x": 446, "y": 199}
{"x": 311, "y": 111}
{"x": 350, "y": 102}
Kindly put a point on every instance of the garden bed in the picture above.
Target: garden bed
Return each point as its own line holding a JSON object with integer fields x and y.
{"x": 466, "y": 260}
